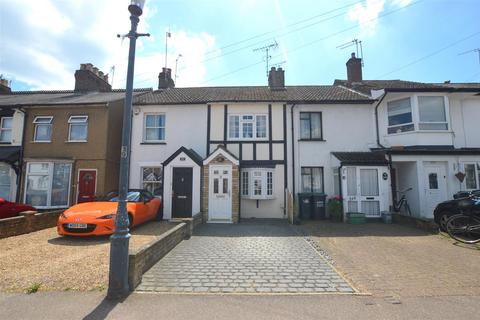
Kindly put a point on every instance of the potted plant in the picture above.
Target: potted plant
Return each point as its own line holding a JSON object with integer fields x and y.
{"x": 335, "y": 209}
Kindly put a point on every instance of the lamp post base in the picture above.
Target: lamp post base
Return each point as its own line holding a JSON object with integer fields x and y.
{"x": 118, "y": 287}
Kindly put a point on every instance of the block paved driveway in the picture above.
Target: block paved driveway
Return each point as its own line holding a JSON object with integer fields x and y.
{"x": 250, "y": 257}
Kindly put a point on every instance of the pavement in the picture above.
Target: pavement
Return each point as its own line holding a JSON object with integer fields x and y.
{"x": 259, "y": 256}
{"x": 92, "y": 306}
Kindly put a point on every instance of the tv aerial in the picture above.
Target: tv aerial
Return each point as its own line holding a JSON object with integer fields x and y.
{"x": 477, "y": 50}
{"x": 267, "y": 50}
{"x": 358, "y": 45}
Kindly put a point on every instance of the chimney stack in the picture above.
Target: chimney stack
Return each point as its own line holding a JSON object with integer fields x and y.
{"x": 4, "y": 86}
{"x": 276, "y": 79}
{"x": 90, "y": 78}
{"x": 354, "y": 69}
{"x": 165, "y": 80}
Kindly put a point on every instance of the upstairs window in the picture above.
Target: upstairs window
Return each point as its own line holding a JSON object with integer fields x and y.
{"x": 400, "y": 116}
{"x": 311, "y": 126}
{"x": 43, "y": 129}
{"x": 78, "y": 128}
{"x": 154, "y": 128}
{"x": 257, "y": 183}
{"x": 247, "y": 127}
{"x": 6, "y": 129}
{"x": 432, "y": 115}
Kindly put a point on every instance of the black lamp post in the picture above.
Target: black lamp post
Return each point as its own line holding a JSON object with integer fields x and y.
{"x": 118, "y": 277}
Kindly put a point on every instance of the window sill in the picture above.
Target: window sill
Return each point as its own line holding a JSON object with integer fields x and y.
{"x": 318, "y": 140}
{"x": 418, "y": 131}
{"x": 73, "y": 141}
{"x": 154, "y": 142}
{"x": 40, "y": 141}
{"x": 258, "y": 198}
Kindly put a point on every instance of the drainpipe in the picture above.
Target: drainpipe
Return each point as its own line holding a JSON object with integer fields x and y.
{"x": 376, "y": 120}
{"x": 293, "y": 158}
{"x": 20, "y": 161}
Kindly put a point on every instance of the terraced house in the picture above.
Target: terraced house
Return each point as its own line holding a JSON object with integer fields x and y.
{"x": 71, "y": 140}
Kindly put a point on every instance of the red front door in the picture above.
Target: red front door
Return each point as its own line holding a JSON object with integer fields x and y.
{"x": 87, "y": 181}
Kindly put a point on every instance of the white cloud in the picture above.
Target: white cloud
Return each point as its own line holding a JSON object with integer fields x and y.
{"x": 367, "y": 15}
{"x": 44, "y": 42}
{"x": 401, "y": 3}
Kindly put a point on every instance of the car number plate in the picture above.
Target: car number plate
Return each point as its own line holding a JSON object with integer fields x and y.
{"x": 77, "y": 225}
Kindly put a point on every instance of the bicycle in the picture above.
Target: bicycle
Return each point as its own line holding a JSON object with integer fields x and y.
{"x": 465, "y": 227}
{"x": 397, "y": 205}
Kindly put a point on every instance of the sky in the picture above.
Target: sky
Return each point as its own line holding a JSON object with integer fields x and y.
{"x": 218, "y": 42}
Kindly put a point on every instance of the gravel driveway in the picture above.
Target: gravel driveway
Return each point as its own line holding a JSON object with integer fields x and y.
{"x": 63, "y": 263}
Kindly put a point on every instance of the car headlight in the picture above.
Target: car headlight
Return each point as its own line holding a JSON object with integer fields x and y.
{"x": 107, "y": 217}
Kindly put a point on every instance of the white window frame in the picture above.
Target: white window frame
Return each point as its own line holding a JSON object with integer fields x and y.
{"x": 151, "y": 182}
{"x": 2, "y": 129}
{"x": 145, "y": 127}
{"x": 37, "y": 123}
{"x": 476, "y": 166}
{"x": 258, "y": 174}
{"x": 253, "y": 121}
{"x": 51, "y": 165}
{"x": 77, "y": 120}
{"x": 415, "y": 109}
{"x": 402, "y": 124}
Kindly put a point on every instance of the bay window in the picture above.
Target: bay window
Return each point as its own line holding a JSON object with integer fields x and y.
{"x": 48, "y": 184}
{"x": 257, "y": 183}
{"x": 6, "y": 129}
{"x": 247, "y": 127}
{"x": 152, "y": 180}
{"x": 312, "y": 179}
{"x": 154, "y": 128}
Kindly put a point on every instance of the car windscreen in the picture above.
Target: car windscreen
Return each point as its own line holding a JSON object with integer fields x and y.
{"x": 132, "y": 196}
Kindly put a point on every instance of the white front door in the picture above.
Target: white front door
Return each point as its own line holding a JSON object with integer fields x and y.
{"x": 361, "y": 190}
{"x": 435, "y": 187}
{"x": 220, "y": 195}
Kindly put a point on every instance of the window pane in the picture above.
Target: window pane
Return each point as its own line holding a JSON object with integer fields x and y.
{"x": 269, "y": 183}
{"x": 7, "y": 123}
{"x": 306, "y": 180}
{"x": 247, "y": 130}
{"x": 234, "y": 127}
{"x": 155, "y": 134}
{"x": 257, "y": 187}
{"x": 6, "y": 135}
{"x": 399, "y": 112}
{"x": 43, "y": 132}
{"x": 152, "y": 180}
{"x": 215, "y": 186}
{"x": 37, "y": 190}
{"x": 369, "y": 182}
{"x": 61, "y": 179}
{"x": 433, "y": 126}
{"x": 78, "y": 132}
{"x": 351, "y": 181}
{"x": 245, "y": 183}
{"x": 5, "y": 182}
{"x": 261, "y": 126}
{"x": 316, "y": 125}
{"x": 431, "y": 109}
{"x": 225, "y": 185}
{"x": 433, "y": 181}
{"x": 38, "y": 168}
{"x": 304, "y": 125}
{"x": 317, "y": 180}
{"x": 398, "y": 129}
{"x": 470, "y": 179}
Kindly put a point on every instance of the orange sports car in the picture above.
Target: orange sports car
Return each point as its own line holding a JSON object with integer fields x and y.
{"x": 98, "y": 218}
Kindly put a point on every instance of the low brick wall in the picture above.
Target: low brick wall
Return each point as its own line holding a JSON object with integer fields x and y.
{"x": 28, "y": 222}
{"x": 145, "y": 257}
{"x": 424, "y": 224}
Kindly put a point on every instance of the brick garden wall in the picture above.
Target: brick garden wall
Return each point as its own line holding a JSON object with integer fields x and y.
{"x": 28, "y": 222}
{"x": 142, "y": 259}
